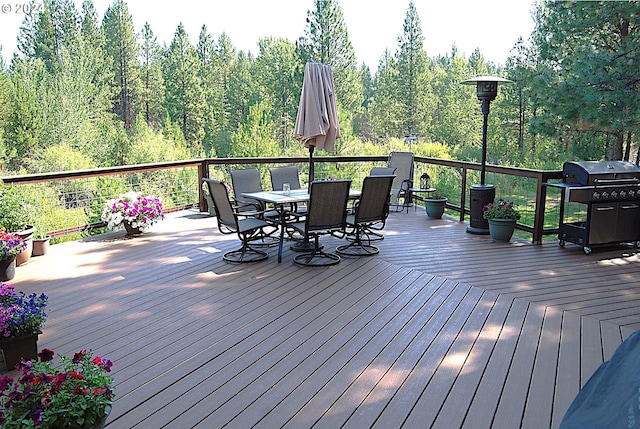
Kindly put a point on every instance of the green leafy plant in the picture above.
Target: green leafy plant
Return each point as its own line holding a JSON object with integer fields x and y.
{"x": 10, "y": 245}
{"x": 21, "y": 314}
{"x": 76, "y": 394}
{"x": 501, "y": 209}
{"x": 436, "y": 195}
{"x": 15, "y": 212}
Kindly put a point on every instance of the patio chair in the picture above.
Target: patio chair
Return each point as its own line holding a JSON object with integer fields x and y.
{"x": 327, "y": 214}
{"x": 232, "y": 221}
{"x": 287, "y": 174}
{"x": 400, "y": 191}
{"x": 371, "y": 212}
{"x": 379, "y": 171}
{"x": 248, "y": 180}
{"x": 382, "y": 171}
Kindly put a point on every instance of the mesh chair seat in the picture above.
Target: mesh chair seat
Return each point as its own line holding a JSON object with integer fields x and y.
{"x": 371, "y": 212}
{"x": 231, "y": 222}
{"x": 327, "y": 214}
{"x": 400, "y": 191}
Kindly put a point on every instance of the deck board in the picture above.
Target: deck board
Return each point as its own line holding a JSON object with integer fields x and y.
{"x": 442, "y": 329}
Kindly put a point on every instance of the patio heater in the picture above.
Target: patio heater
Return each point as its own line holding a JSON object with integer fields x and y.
{"x": 482, "y": 194}
{"x": 411, "y": 139}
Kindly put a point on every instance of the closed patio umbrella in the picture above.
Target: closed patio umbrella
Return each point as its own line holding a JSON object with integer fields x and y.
{"x": 317, "y": 121}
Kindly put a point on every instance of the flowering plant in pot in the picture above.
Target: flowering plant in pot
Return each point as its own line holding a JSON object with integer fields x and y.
{"x": 22, "y": 318}
{"x": 11, "y": 245}
{"x": 133, "y": 210}
{"x": 501, "y": 216}
{"x": 21, "y": 314}
{"x": 77, "y": 393}
{"x": 501, "y": 209}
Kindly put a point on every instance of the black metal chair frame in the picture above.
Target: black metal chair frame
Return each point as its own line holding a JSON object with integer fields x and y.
{"x": 370, "y": 212}
{"x": 249, "y": 180}
{"x": 245, "y": 224}
{"x": 379, "y": 171}
{"x": 327, "y": 214}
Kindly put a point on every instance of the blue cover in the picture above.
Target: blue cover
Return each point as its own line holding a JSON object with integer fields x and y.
{"x": 611, "y": 397}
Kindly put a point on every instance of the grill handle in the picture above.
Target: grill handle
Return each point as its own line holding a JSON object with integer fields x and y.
{"x": 615, "y": 181}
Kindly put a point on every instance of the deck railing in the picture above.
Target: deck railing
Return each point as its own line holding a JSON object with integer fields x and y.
{"x": 71, "y": 201}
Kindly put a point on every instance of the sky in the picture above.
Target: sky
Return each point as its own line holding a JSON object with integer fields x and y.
{"x": 372, "y": 26}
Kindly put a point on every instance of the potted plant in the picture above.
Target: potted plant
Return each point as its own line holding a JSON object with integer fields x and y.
{"x": 11, "y": 246}
{"x": 77, "y": 393}
{"x": 22, "y": 317}
{"x": 15, "y": 214}
{"x": 135, "y": 212}
{"x": 502, "y": 216}
{"x": 41, "y": 242}
{"x": 434, "y": 204}
{"x": 41, "y": 237}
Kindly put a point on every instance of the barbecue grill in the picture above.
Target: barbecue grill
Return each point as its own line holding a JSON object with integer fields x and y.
{"x": 609, "y": 195}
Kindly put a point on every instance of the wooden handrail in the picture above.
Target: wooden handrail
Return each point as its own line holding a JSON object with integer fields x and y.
{"x": 203, "y": 166}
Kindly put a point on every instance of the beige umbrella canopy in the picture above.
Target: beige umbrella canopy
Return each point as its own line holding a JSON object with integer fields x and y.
{"x": 317, "y": 121}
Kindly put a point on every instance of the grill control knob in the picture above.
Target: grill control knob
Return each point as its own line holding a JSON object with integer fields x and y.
{"x": 623, "y": 194}
{"x": 632, "y": 193}
{"x": 596, "y": 196}
{"x": 605, "y": 195}
{"x": 614, "y": 194}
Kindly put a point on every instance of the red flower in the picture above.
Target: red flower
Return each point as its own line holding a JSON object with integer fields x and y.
{"x": 45, "y": 355}
{"x": 79, "y": 390}
{"x": 77, "y": 357}
{"x": 76, "y": 376}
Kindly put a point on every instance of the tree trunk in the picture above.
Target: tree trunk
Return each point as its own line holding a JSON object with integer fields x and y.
{"x": 615, "y": 146}
{"x": 627, "y": 150}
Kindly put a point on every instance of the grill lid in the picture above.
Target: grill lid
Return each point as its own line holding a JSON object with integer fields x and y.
{"x": 600, "y": 172}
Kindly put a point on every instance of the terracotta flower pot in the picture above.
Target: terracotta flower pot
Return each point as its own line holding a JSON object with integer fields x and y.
{"x": 40, "y": 246}
{"x": 27, "y": 236}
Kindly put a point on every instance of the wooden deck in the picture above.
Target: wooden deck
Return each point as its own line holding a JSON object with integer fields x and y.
{"x": 443, "y": 329}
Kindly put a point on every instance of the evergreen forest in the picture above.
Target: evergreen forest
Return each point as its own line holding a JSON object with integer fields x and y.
{"x": 84, "y": 92}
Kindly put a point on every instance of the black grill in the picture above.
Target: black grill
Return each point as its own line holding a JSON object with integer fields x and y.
{"x": 610, "y": 191}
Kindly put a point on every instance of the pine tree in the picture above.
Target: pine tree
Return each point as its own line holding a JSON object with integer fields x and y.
{"x": 184, "y": 98}
{"x": 591, "y": 51}
{"x": 122, "y": 51}
{"x": 415, "y": 96}
{"x": 153, "y": 88}
{"x": 327, "y": 41}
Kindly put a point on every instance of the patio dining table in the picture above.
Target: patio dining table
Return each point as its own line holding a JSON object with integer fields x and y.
{"x": 281, "y": 199}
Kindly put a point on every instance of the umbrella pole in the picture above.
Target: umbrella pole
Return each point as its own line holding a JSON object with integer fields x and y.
{"x": 306, "y": 245}
{"x": 311, "y": 166}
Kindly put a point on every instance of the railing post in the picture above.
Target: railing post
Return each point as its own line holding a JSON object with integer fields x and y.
{"x": 463, "y": 193}
{"x": 538, "y": 214}
{"x": 203, "y": 171}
